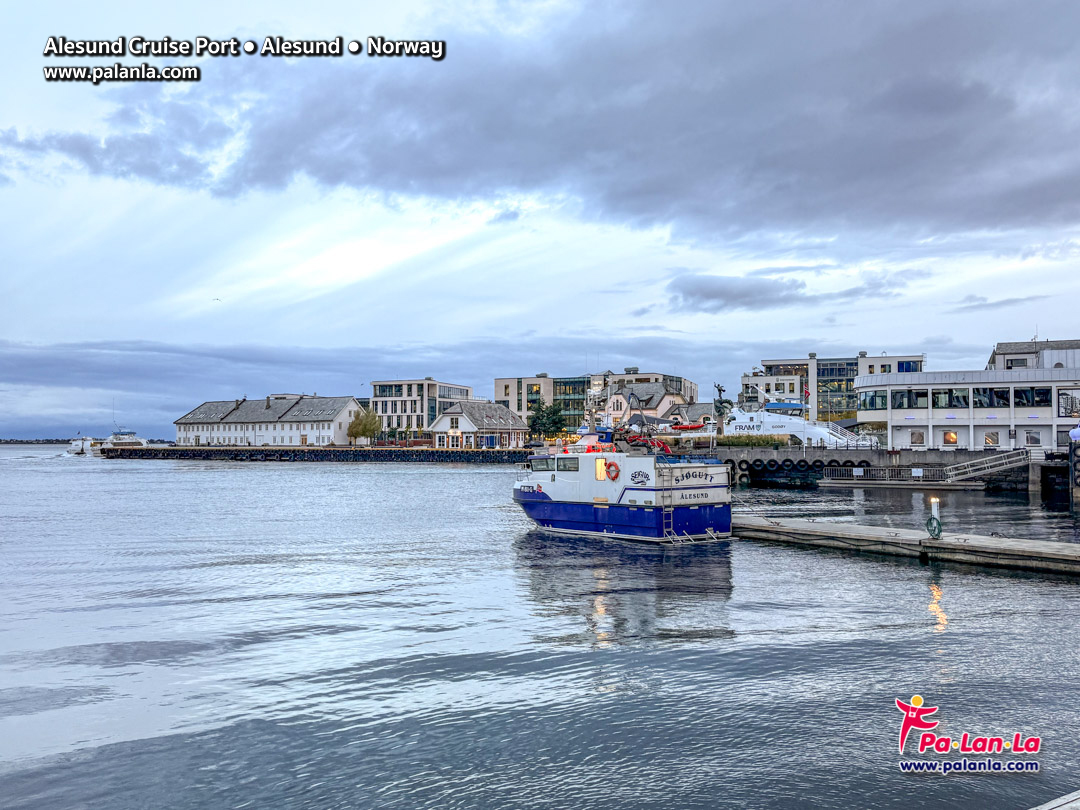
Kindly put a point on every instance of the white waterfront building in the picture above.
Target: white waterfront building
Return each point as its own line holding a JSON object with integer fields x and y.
{"x": 479, "y": 425}
{"x": 289, "y": 420}
{"x": 1027, "y": 396}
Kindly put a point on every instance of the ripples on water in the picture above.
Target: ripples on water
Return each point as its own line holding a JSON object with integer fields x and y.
{"x": 330, "y": 635}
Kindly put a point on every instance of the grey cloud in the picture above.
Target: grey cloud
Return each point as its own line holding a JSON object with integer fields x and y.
{"x": 507, "y": 215}
{"x": 790, "y": 270}
{"x": 723, "y": 119}
{"x": 710, "y": 293}
{"x": 980, "y": 303}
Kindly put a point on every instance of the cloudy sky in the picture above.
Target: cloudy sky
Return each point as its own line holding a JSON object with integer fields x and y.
{"x": 690, "y": 187}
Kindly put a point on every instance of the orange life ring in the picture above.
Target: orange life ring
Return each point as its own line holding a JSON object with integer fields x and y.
{"x": 612, "y": 470}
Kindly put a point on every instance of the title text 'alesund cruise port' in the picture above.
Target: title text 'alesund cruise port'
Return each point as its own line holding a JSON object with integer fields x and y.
{"x": 434, "y": 49}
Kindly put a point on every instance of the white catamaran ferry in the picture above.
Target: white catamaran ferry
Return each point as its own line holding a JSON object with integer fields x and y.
{"x": 88, "y": 447}
{"x": 629, "y": 487}
{"x": 780, "y": 418}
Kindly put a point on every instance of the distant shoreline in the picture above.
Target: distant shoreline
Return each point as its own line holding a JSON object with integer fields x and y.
{"x": 35, "y": 441}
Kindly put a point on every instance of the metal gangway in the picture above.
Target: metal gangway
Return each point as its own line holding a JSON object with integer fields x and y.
{"x": 954, "y": 474}
{"x": 993, "y": 463}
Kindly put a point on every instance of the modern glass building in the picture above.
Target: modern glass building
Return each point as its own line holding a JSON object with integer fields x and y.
{"x": 1027, "y": 396}
{"x": 825, "y": 384}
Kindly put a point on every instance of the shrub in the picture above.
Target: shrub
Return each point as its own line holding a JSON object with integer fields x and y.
{"x": 744, "y": 440}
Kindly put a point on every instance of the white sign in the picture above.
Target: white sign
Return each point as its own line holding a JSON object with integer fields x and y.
{"x": 689, "y": 497}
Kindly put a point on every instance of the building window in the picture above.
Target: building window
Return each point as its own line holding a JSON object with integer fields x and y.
{"x": 873, "y": 401}
{"x": 990, "y": 438}
{"x": 950, "y": 397}
{"x": 442, "y": 440}
{"x": 1033, "y": 438}
{"x": 886, "y": 368}
{"x": 1063, "y": 439}
{"x": 990, "y": 397}
{"x": 871, "y": 368}
{"x": 908, "y": 366}
{"x": 506, "y": 390}
{"x": 455, "y": 441}
{"x": 949, "y": 438}
{"x": 1019, "y": 362}
{"x": 1031, "y": 397}
{"x": 453, "y": 423}
{"x": 1069, "y": 403}
{"x": 918, "y": 437}
{"x": 909, "y": 399}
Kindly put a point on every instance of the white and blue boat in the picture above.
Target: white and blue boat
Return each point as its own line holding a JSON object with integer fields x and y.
{"x": 630, "y": 488}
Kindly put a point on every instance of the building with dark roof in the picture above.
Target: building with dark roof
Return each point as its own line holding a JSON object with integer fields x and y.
{"x": 279, "y": 419}
{"x": 475, "y": 425}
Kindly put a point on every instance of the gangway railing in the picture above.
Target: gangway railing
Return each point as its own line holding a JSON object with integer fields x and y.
{"x": 907, "y": 474}
{"x": 993, "y": 463}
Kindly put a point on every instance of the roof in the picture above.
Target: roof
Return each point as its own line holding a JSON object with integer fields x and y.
{"x": 648, "y": 395}
{"x": 301, "y": 409}
{"x": 1032, "y": 346}
{"x": 486, "y": 415}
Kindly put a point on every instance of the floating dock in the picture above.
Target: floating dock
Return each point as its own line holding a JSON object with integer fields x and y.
{"x": 973, "y": 549}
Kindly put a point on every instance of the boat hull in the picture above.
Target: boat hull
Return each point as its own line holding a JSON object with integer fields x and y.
{"x": 646, "y": 523}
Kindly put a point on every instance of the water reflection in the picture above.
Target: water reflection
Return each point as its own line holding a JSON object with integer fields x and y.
{"x": 936, "y": 609}
{"x": 626, "y": 592}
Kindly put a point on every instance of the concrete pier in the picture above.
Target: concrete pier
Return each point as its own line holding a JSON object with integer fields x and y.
{"x": 1070, "y": 802}
{"x": 974, "y": 549}
{"x": 351, "y": 454}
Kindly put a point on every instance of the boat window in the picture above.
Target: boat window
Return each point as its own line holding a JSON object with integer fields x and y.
{"x": 601, "y": 469}
{"x": 568, "y": 464}
{"x": 990, "y": 438}
{"x": 543, "y": 464}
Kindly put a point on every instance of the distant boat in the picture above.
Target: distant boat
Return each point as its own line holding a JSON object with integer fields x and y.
{"x": 83, "y": 446}
{"x": 86, "y": 446}
{"x": 122, "y": 438}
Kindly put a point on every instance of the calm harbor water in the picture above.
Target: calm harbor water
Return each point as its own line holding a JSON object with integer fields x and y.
{"x": 205, "y": 635}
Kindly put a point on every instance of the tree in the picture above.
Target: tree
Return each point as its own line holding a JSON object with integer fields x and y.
{"x": 536, "y": 418}
{"x": 546, "y": 420}
{"x": 366, "y": 424}
{"x": 556, "y": 420}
